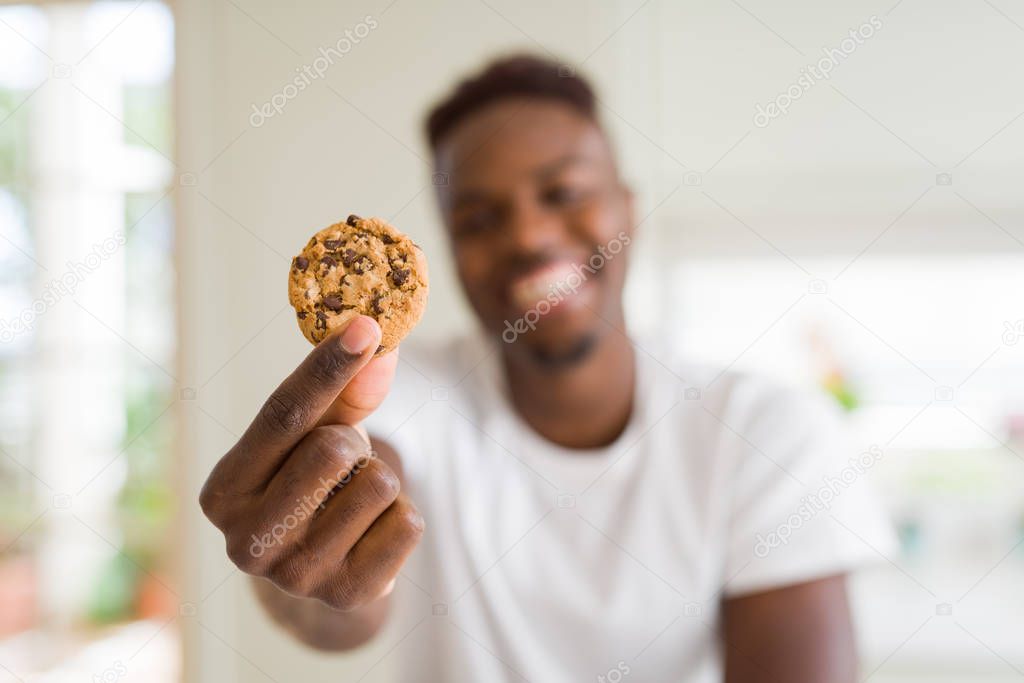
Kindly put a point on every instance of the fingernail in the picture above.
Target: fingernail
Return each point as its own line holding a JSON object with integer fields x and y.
{"x": 359, "y": 335}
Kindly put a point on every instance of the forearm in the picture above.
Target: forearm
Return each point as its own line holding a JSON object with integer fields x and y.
{"x": 318, "y": 625}
{"x": 797, "y": 634}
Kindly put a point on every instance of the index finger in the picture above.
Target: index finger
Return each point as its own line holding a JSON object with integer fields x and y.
{"x": 298, "y": 403}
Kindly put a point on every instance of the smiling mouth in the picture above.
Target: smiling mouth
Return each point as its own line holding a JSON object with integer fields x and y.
{"x": 557, "y": 281}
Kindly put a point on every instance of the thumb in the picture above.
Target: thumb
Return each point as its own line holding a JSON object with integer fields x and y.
{"x": 364, "y": 392}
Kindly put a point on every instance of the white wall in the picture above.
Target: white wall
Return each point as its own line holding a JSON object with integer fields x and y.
{"x": 679, "y": 82}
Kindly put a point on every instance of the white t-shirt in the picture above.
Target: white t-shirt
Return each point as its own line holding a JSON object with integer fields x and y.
{"x": 551, "y": 564}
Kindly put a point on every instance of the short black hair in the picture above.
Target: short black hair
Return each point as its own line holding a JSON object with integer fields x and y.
{"x": 521, "y": 75}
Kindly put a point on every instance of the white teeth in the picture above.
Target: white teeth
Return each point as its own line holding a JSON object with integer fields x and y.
{"x": 528, "y": 290}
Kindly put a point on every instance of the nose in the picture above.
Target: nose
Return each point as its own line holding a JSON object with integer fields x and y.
{"x": 531, "y": 228}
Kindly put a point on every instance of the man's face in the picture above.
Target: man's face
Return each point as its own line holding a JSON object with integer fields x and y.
{"x": 533, "y": 204}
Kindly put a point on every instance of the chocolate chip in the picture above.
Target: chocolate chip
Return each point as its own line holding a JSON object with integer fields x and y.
{"x": 387, "y": 239}
{"x": 376, "y": 303}
{"x": 399, "y": 276}
{"x": 332, "y": 244}
{"x": 302, "y": 315}
{"x": 301, "y": 262}
{"x": 379, "y": 349}
{"x": 348, "y": 257}
{"x": 328, "y": 261}
{"x": 332, "y": 302}
{"x": 321, "y": 320}
{"x": 312, "y": 241}
{"x": 353, "y": 220}
{"x": 362, "y": 265}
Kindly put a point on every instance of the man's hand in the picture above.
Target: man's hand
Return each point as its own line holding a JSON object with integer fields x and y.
{"x": 300, "y": 498}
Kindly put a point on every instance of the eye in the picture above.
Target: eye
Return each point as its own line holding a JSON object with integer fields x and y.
{"x": 475, "y": 222}
{"x": 560, "y": 195}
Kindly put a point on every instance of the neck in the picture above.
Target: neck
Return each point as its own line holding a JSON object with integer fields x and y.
{"x": 583, "y": 405}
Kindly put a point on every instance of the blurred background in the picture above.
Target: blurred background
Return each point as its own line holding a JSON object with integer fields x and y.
{"x": 829, "y": 192}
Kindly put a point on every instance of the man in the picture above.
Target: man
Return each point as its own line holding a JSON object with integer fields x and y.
{"x": 595, "y": 509}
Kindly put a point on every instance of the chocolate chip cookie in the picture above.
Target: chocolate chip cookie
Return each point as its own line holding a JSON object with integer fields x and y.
{"x": 362, "y": 266}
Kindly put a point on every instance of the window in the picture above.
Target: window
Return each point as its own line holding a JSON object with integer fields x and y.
{"x": 87, "y": 341}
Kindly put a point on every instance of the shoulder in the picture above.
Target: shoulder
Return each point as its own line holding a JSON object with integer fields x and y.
{"x": 753, "y": 421}
{"x": 751, "y": 398}
{"x": 761, "y": 401}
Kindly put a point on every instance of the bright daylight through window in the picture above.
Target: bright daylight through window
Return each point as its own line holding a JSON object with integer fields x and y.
{"x": 86, "y": 341}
